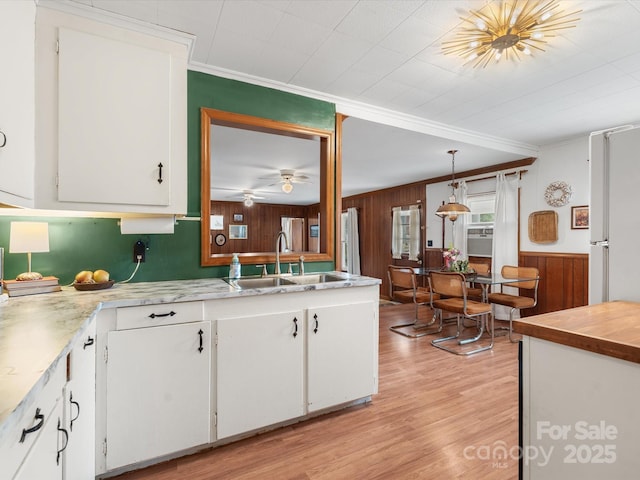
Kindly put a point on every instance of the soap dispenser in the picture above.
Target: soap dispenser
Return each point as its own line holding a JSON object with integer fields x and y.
{"x": 234, "y": 268}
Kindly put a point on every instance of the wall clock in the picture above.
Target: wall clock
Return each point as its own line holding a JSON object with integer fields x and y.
{"x": 558, "y": 194}
{"x": 220, "y": 239}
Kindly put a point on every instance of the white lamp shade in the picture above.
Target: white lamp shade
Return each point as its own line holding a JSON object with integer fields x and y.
{"x": 27, "y": 237}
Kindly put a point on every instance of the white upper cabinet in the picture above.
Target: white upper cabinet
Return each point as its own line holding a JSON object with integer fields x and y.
{"x": 114, "y": 113}
{"x": 111, "y": 127}
{"x": 17, "y": 102}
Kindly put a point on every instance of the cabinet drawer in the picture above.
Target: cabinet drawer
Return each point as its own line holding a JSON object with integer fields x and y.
{"x": 12, "y": 450}
{"x": 157, "y": 315}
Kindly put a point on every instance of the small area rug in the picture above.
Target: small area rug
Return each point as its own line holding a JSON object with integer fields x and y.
{"x": 386, "y": 303}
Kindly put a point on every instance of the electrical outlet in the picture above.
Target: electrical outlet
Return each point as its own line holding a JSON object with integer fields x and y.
{"x": 139, "y": 249}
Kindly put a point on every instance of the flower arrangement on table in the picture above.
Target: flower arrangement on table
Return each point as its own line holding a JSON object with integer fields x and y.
{"x": 451, "y": 262}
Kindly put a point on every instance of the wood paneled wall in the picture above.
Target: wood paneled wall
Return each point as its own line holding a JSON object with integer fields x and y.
{"x": 564, "y": 276}
{"x": 374, "y": 218}
{"x": 263, "y": 224}
{"x": 564, "y": 280}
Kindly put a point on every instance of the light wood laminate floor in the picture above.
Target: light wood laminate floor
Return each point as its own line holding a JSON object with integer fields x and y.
{"x": 437, "y": 416}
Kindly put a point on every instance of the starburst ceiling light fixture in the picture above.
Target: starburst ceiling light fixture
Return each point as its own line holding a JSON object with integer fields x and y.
{"x": 509, "y": 29}
{"x": 453, "y": 208}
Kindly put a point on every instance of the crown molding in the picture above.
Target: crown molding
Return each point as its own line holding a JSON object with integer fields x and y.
{"x": 116, "y": 20}
{"x": 379, "y": 115}
{"x": 344, "y": 106}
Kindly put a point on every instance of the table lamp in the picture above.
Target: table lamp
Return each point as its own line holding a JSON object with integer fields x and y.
{"x": 28, "y": 237}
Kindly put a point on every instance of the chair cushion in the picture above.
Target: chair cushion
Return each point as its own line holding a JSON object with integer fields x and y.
{"x": 406, "y": 296}
{"x": 456, "y": 305}
{"x": 513, "y": 301}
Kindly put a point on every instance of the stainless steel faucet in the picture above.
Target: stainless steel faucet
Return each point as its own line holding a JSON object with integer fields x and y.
{"x": 280, "y": 235}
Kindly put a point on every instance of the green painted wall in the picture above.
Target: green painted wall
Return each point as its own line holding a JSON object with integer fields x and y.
{"x": 91, "y": 243}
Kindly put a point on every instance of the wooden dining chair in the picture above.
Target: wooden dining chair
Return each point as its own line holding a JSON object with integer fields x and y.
{"x": 517, "y": 302}
{"x": 452, "y": 289}
{"x": 473, "y": 291}
{"x": 403, "y": 288}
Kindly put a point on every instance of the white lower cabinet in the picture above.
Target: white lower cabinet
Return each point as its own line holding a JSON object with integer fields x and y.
{"x": 80, "y": 408}
{"x": 579, "y": 415}
{"x": 44, "y": 460}
{"x": 169, "y": 382}
{"x": 157, "y": 391}
{"x": 56, "y": 436}
{"x": 260, "y": 371}
{"x": 340, "y": 354}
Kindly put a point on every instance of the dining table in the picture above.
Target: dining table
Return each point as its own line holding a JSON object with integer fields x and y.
{"x": 485, "y": 281}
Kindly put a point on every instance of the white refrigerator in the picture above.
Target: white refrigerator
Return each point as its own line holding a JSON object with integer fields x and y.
{"x": 614, "y": 259}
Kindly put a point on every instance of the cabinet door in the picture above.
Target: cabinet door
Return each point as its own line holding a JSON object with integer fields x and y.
{"x": 114, "y": 121}
{"x": 158, "y": 391}
{"x": 17, "y": 102}
{"x": 79, "y": 405}
{"x": 44, "y": 460}
{"x": 259, "y": 371}
{"x": 341, "y": 354}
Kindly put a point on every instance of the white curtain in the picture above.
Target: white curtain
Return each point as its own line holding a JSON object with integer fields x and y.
{"x": 505, "y": 232}
{"x": 460, "y": 225}
{"x": 396, "y": 234}
{"x": 353, "y": 242}
{"x": 414, "y": 233}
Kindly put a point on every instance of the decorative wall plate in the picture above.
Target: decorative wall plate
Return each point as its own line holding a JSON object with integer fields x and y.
{"x": 220, "y": 239}
{"x": 558, "y": 194}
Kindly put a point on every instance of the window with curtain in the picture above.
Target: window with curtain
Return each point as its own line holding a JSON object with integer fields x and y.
{"x": 344, "y": 241}
{"x": 406, "y": 233}
{"x": 350, "y": 242}
{"x": 480, "y": 223}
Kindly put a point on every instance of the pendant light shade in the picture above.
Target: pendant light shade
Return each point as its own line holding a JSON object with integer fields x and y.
{"x": 453, "y": 208}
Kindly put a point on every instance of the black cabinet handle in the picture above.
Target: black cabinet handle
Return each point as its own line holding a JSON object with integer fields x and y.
{"x": 295, "y": 322}
{"x": 315, "y": 317}
{"x": 88, "y": 343}
{"x": 72, "y": 402}
{"x": 160, "y": 172}
{"x": 35, "y": 428}
{"x": 200, "y": 333}
{"x": 4, "y": 139}
{"x": 158, "y": 315}
{"x": 66, "y": 442}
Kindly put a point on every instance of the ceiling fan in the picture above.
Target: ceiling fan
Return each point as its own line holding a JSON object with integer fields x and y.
{"x": 288, "y": 177}
{"x": 249, "y": 197}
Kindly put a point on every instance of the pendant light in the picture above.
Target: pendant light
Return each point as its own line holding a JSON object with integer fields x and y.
{"x": 453, "y": 208}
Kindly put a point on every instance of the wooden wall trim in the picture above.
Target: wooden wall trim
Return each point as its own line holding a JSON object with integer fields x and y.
{"x": 564, "y": 280}
{"x": 554, "y": 254}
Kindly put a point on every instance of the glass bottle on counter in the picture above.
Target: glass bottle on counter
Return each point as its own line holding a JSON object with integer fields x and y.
{"x": 234, "y": 268}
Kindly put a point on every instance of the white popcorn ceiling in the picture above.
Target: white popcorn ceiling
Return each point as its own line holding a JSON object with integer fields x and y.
{"x": 381, "y": 63}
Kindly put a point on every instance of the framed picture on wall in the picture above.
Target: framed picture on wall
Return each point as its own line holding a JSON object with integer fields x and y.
{"x": 217, "y": 222}
{"x": 237, "y": 217}
{"x": 238, "y": 232}
{"x": 580, "y": 217}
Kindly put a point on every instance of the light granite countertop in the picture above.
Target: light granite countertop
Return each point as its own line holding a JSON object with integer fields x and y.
{"x": 37, "y": 331}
